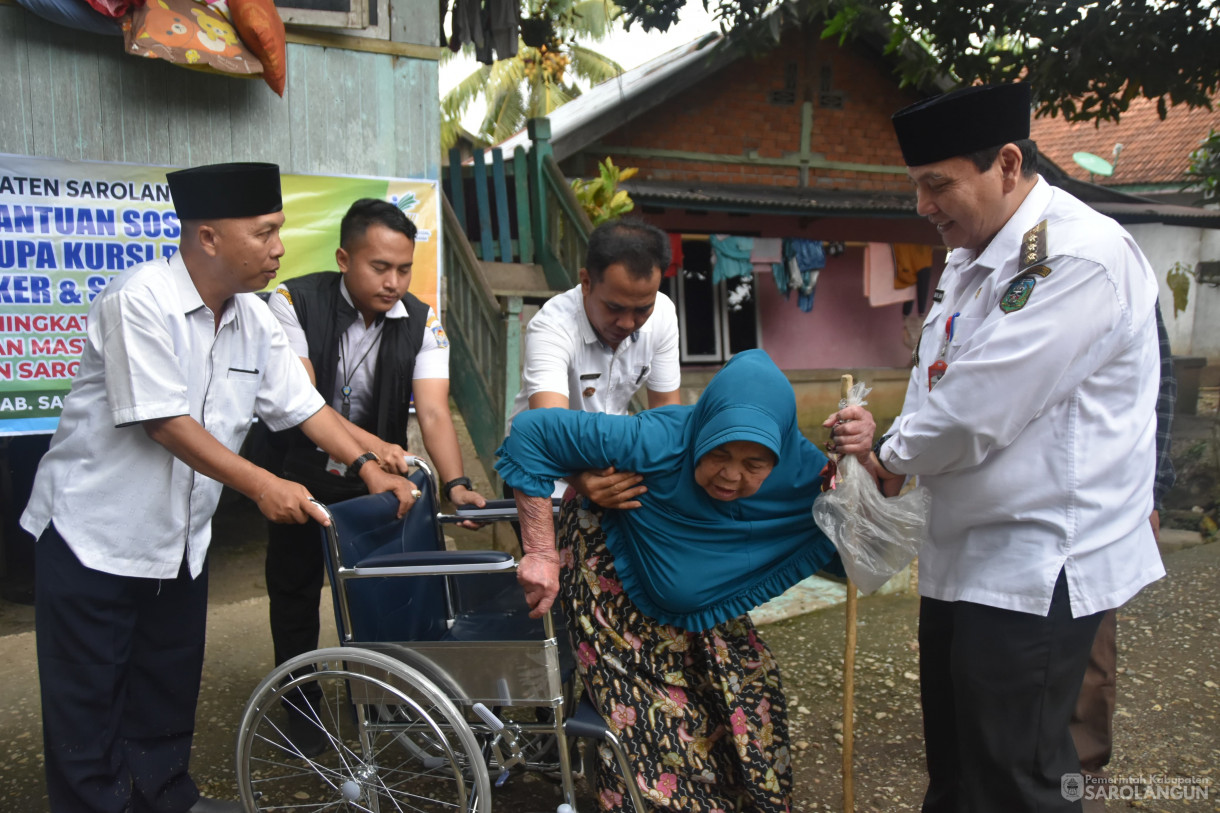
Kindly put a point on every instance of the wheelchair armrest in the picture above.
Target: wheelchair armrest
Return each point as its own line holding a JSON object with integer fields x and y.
{"x": 433, "y": 563}
{"x": 493, "y": 511}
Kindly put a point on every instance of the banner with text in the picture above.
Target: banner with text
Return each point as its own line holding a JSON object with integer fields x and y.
{"x": 68, "y": 227}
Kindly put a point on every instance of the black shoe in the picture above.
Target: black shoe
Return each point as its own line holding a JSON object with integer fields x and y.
{"x": 206, "y": 805}
{"x": 306, "y": 736}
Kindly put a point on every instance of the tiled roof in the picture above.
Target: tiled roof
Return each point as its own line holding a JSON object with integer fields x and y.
{"x": 1154, "y": 151}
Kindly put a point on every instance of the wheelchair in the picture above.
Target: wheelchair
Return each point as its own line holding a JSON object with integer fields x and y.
{"x": 441, "y": 688}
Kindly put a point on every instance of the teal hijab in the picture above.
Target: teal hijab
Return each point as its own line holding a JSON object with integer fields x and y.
{"x": 685, "y": 558}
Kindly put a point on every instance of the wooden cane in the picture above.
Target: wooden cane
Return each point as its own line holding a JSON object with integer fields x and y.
{"x": 849, "y": 667}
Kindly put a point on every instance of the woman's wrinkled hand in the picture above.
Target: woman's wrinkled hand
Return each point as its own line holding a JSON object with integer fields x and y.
{"x": 538, "y": 576}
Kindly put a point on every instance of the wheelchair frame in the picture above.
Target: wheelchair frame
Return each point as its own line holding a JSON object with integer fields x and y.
{"x": 437, "y": 701}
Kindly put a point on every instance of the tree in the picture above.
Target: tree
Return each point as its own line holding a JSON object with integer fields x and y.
{"x": 1204, "y": 170}
{"x": 1085, "y": 60}
{"x": 541, "y": 77}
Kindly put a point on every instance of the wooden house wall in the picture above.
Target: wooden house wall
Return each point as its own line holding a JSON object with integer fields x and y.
{"x": 73, "y": 95}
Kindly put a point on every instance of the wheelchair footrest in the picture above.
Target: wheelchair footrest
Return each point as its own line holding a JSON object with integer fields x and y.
{"x": 586, "y": 722}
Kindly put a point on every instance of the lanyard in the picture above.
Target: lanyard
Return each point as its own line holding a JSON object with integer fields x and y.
{"x": 346, "y": 407}
{"x": 937, "y": 369}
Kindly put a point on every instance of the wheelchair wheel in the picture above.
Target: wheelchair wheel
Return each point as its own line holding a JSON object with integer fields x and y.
{"x": 357, "y": 709}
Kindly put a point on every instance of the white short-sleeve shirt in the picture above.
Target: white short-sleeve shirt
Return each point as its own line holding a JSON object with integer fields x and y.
{"x": 563, "y": 354}
{"x": 123, "y": 503}
{"x": 1038, "y": 443}
{"x": 359, "y": 347}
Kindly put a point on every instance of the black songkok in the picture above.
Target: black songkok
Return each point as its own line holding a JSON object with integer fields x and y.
{"x": 962, "y": 122}
{"x": 226, "y": 190}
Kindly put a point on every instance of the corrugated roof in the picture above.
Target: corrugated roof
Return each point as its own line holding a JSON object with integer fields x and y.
{"x": 1153, "y": 152}
{"x": 770, "y": 199}
{"x": 802, "y": 200}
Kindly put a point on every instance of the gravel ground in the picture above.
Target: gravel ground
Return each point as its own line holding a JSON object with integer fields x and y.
{"x": 1166, "y": 723}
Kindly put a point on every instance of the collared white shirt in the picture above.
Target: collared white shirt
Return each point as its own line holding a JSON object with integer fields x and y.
{"x": 563, "y": 354}
{"x": 1038, "y": 444}
{"x": 359, "y": 347}
{"x": 123, "y": 503}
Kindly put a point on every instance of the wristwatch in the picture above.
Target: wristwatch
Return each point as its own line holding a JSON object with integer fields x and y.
{"x": 457, "y": 481}
{"x": 353, "y": 470}
{"x": 877, "y": 449}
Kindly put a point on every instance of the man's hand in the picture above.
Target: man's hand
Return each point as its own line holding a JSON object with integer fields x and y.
{"x": 538, "y": 575}
{"x": 391, "y": 457}
{"x": 378, "y": 481}
{"x": 1155, "y": 519}
{"x": 460, "y": 495}
{"x": 288, "y": 502}
{"x": 609, "y": 488}
{"x": 851, "y": 432}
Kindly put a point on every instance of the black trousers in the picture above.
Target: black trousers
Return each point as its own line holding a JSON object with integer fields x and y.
{"x": 294, "y": 568}
{"x": 998, "y": 688}
{"x": 119, "y": 662}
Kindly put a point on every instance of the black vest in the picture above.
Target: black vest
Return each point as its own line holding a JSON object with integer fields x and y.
{"x": 325, "y": 315}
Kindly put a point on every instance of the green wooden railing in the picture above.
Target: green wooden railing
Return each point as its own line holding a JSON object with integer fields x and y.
{"x": 523, "y": 212}
{"x": 478, "y": 334}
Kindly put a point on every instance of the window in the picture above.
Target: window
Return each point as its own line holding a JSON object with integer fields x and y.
{"x": 329, "y": 13}
{"x": 715, "y": 320}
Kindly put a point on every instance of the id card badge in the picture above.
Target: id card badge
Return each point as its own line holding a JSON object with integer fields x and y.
{"x": 936, "y": 371}
{"x": 335, "y": 467}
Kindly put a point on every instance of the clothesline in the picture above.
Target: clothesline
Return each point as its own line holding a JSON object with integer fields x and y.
{"x": 702, "y": 238}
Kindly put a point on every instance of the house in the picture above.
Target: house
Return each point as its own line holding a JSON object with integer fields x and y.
{"x": 1149, "y": 159}
{"x": 795, "y": 143}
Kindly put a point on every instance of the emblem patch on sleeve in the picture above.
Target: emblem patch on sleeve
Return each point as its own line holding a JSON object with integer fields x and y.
{"x": 282, "y": 291}
{"x": 1018, "y": 294}
{"x": 434, "y": 325}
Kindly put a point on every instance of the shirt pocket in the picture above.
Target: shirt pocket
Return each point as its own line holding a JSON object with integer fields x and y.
{"x": 964, "y": 328}
{"x": 231, "y": 403}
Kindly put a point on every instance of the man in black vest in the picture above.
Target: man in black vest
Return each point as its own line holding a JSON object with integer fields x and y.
{"x": 368, "y": 346}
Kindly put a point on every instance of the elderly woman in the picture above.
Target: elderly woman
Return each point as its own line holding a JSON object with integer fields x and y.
{"x": 656, "y": 597}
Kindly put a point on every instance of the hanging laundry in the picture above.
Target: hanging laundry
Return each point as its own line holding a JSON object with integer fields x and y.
{"x": 908, "y": 259}
{"x": 879, "y": 277}
{"x": 805, "y": 260}
{"x": 805, "y": 300}
{"x": 492, "y": 25}
{"x": 675, "y": 255}
{"x": 779, "y": 273}
{"x": 923, "y": 281}
{"x": 768, "y": 258}
{"x": 730, "y": 256}
{"x": 503, "y": 27}
{"x": 767, "y": 251}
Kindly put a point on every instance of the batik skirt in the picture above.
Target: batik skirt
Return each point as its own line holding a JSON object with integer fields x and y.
{"x": 701, "y": 715}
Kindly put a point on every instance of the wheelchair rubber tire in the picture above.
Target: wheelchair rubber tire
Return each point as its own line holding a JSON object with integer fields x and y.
{"x": 364, "y": 765}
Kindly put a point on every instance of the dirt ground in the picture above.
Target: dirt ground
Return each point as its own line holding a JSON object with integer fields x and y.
{"x": 1166, "y": 724}
{"x": 1166, "y": 727}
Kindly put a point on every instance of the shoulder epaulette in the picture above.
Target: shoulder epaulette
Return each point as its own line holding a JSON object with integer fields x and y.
{"x": 1034, "y": 251}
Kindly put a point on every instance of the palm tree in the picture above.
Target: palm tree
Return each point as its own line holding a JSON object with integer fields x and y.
{"x": 539, "y": 78}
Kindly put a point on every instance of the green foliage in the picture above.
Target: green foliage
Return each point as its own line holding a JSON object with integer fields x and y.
{"x": 1204, "y": 169}
{"x": 601, "y": 198}
{"x": 1178, "y": 280}
{"x": 538, "y": 80}
{"x": 1085, "y": 60}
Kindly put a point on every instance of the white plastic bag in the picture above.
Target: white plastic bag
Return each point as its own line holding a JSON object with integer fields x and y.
{"x": 876, "y": 536}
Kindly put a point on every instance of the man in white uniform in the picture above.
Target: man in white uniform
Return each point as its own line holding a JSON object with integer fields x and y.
{"x": 1030, "y": 415}
{"x": 592, "y": 347}
{"x": 180, "y": 356}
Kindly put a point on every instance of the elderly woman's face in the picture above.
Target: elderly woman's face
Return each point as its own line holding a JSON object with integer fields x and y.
{"x": 735, "y": 470}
